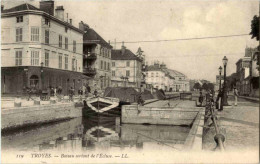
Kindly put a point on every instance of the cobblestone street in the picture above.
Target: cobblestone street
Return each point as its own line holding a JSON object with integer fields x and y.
{"x": 240, "y": 126}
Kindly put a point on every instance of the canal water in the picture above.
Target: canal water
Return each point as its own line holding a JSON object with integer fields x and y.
{"x": 92, "y": 134}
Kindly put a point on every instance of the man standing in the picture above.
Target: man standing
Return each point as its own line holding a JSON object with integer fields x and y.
{"x": 235, "y": 94}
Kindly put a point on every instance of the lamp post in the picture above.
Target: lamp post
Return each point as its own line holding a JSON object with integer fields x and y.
{"x": 42, "y": 80}
{"x": 220, "y": 70}
{"x": 225, "y": 103}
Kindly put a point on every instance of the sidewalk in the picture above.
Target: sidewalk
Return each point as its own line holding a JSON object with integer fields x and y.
{"x": 254, "y": 99}
{"x": 240, "y": 126}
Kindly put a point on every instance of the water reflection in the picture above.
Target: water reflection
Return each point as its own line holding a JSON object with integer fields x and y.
{"x": 95, "y": 134}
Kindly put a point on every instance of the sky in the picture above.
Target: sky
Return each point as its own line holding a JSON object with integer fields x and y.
{"x": 139, "y": 20}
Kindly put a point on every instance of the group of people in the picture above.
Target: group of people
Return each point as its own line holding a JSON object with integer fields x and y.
{"x": 57, "y": 92}
{"x": 210, "y": 97}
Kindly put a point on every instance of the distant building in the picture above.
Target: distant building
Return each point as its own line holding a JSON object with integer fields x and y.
{"x": 40, "y": 49}
{"x": 126, "y": 68}
{"x": 96, "y": 59}
{"x": 166, "y": 79}
{"x": 246, "y": 71}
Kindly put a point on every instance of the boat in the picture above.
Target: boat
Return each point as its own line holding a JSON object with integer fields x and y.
{"x": 101, "y": 106}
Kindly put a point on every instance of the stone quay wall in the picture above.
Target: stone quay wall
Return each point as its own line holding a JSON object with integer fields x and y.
{"x": 25, "y": 116}
{"x": 161, "y": 116}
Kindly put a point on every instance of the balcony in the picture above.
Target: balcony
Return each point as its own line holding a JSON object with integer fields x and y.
{"x": 90, "y": 56}
{"x": 89, "y": 71}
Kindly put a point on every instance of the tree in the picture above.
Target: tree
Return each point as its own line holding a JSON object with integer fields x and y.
{"x": 197, "y": 86}
{"x": 255, "y": 27}
{"x": 211, "y": 86}
{"x": 205, "y": 86}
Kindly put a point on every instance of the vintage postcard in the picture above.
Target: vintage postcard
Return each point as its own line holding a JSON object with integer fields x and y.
{"x": 129, "y": 81}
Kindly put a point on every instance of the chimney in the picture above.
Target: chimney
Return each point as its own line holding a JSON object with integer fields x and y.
{"x": 71, "y": 21}
{"x": 47, "y": 6}
{"x": 123, "y": 48}
{"x": 83, "y": 26}
{"x": 60, "y": 12}
{"x": 67, "y": 17}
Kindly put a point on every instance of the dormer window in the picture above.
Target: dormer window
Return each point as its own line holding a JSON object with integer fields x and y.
{"x": 47, "y": 21}
{"x": 19, "y": 19}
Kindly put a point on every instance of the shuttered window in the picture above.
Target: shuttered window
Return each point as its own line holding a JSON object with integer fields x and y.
{"x": 35, "y": 58}
{"x": 34, "y": 33}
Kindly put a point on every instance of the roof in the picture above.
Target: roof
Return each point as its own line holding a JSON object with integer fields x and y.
{"x": 127, "y": 55}
{"x": 93, "y": 37}
{"x": 26, "y": 8}
{"x": 174, "y": 73}
{"x": 154, "y": 68}
{"x": 21, "y": 7}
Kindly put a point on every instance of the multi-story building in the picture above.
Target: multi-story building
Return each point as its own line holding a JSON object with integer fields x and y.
{"x": 126, "y": 68}
{"x": 166, "y": 79}
{"x": 97, "y": 58}
{"x": 255, "y": 74}
{"x": 40, "y": 49}
{"x": 246, "y": 70}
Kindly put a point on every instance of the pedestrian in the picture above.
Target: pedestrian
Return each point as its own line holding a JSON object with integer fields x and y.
{"x": 55, "y": 91}
{"x": 95, "y": 93}
{"x": 235, "y": 94}
{"x": 71, "y": 92}
{"x": 29, "y": 91}
{"x": 83, "y": 89}
{"x": 201, "y": 98}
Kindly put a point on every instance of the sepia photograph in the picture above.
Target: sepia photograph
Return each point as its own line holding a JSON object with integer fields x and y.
{"x": 130, "y": 81}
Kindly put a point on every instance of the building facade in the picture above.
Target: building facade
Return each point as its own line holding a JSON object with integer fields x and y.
{"x": 126, "y": 68}
{"x": 160, "y": 77}
{"x": 97, "y": 58}
{"x": 39, "y": 49}
{"x": 248, "y": 74}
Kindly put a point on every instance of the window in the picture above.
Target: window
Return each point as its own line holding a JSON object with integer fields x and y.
{"x": 34, "y": 33}
{"x": 76, "y": 65}
{"x": 127, "y": 73}
{"x": 47, "y": 58}
{"x": 66, "y": 29}
{"x": 19, "y": 19}
{"x": 34, "y": 80}
{"x": 66, "y": 43}
{"x": 60, "y": 61}
{"x": 18, "y": 57}
{"x": 35, "y": 58}
{"x": 66, "y": 61}
{"x": 60, "y": 41}
{"x": 152, "y": 74}
{"x": 105, "y": 65}
{"x": 47, "y": 21}
{"x": 156, "y": 74}
{"x": 113, "y": 73}
{"x": 19, "y": 34}
{"x": 128, "y": 63}
{"x": 74, "y": 46}
{"x": 113, "y": 64}
{"x": 72, "y": 64}
{"x": 108, "y": 66}
{"x": 47, "y": 36}
{"x": 101, "y": 64}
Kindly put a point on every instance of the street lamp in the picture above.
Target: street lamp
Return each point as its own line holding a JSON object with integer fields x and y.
{"x": 220, "y": 71}
{"x": 225, "y": 103}
{"x": 42, "y": 75}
